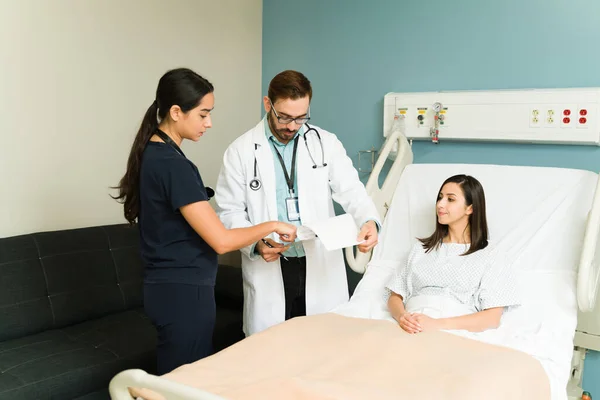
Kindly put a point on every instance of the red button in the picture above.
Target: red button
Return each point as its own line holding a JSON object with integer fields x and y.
{"x": 583, "y": 112}
{"x": 566, "y": 120}
{"x": 582, "y": 120}
{"x": 567, "y": 112}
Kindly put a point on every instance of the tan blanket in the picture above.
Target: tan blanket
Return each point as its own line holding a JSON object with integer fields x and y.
{"x": 333, "y": 357}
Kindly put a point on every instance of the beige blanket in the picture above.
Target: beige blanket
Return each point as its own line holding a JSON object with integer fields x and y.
{"x": 333, "y": 357}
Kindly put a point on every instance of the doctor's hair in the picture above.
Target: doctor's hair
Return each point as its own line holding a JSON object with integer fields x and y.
{"x": 182, "y": 87}
{"x": 475, "y": 197}
{"x": 289, "y": 85}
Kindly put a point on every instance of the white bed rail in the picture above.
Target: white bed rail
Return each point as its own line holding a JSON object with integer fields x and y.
{"x": 137, "y": 378}
{"x": 589, "y": 263}
{"x": 382, "y": 196}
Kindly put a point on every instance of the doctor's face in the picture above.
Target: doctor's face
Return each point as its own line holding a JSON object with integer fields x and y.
{"x": 451, "y": 205}
{"x": 288, "y": 111}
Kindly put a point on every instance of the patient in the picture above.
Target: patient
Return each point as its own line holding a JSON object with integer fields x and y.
{"x": 453, "y": 280}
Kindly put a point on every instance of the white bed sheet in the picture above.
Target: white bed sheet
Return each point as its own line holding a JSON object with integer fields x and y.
{"x": 536, "y": 216}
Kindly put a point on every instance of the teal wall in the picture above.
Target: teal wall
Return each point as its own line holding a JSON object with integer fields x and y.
{"x": 354, "y": 52}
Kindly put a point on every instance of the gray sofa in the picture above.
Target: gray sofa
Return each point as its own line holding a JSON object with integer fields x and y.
{"x": 71, "y": 313}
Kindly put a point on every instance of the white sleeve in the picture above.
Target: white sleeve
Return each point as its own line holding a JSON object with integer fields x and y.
{"x": 498, "y": 286}
{"x": 230, "y": 196}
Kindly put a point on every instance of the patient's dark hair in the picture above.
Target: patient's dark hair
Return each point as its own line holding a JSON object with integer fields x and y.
{"x": 474, "y": 196}
{"x": 182, "y": 87}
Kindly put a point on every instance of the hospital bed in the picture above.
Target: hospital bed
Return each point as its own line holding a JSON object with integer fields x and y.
{"x": 545, "y": 219}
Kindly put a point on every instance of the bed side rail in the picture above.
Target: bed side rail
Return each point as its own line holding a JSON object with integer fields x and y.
{"x": 137, "y": 378}
{"x": 589, "y": 263}
{"x": 382, "y": 196}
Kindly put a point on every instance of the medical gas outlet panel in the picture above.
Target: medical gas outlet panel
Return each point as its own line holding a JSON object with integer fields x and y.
{"x": 562, "y": 116}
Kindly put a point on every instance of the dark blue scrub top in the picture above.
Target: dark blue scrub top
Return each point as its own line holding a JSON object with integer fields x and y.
{"x": 172, "y": 252}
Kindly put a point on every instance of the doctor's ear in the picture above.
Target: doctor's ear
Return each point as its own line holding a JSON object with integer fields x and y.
{"x": 267, "y": 103}
{"x": 175, "y": 112}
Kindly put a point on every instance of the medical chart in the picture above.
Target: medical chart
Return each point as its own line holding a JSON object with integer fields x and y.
{"x": 335, "y": 233}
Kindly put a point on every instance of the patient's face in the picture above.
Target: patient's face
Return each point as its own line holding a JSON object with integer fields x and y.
{"x": 451, "y": 205}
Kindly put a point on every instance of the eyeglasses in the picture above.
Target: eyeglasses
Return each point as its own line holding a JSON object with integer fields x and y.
{"x": 288, "y": 120}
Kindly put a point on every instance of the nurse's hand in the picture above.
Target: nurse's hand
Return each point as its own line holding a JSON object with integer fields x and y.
{"x": 268, "y": 253}
{"x": 286, "y": 232}
{"x": 368, "y": 233}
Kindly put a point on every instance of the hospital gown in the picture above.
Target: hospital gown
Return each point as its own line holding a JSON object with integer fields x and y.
{"x": 474, "y": 282}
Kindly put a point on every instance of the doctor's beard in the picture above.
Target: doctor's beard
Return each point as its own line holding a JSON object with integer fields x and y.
{"x": 283, "y": 135}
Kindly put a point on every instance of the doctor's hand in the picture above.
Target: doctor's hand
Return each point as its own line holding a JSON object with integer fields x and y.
{"x": 368, "y": 233}
{"x": 270, "y": 254}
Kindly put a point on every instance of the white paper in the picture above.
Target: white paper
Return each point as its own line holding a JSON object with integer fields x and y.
{"x": 335, "y": 233}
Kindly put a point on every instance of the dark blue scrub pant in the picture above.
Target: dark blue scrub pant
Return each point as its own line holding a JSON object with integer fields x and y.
{"x": 184, "y": 316}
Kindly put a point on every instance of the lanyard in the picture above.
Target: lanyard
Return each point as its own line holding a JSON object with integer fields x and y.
{"x": 169, "y": 141}
{"x": 290, "y": 181}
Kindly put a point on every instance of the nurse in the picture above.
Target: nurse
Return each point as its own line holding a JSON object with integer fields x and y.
{"x": 180, "y": 234}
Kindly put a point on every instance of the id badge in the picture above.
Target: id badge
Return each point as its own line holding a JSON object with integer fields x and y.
{"x": 293, "y": 212}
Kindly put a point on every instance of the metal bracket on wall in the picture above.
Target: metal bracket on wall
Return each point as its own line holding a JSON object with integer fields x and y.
{"x": 361, "y": 153}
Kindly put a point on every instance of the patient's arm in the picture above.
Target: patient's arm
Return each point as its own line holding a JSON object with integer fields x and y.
{"x": 405, "y": 320}
{"x": 476, "y": 322}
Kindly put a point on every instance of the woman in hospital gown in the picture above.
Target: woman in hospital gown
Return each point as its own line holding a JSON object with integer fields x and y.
{"x": 453, "y": 280}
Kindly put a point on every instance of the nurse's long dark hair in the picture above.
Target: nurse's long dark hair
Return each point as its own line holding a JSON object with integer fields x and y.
{"x": 474, "y": 196}
{"x": 182, "y": 87}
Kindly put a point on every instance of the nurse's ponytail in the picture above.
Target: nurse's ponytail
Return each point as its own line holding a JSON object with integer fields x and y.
{"x": 129, "y": 186}
{"x": 182, "y": 87}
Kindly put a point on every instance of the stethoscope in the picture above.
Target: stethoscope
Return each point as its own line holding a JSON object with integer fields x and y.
{"x": 255, "y": 184}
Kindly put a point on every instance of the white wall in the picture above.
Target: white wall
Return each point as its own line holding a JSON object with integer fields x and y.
{"x": 75, "y": 80}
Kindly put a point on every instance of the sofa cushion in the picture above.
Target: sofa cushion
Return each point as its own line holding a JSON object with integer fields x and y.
{"x": 124, "y": 334}
{"x": 99, "y": 395}
{"x": 123, "y": 241}
{"x": 55, "y": 279}
{"x": 71, "y": 362}
{"x": 24, "y": 303}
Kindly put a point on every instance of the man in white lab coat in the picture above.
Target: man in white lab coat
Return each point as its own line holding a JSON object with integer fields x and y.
{"x": 285, "y": 169}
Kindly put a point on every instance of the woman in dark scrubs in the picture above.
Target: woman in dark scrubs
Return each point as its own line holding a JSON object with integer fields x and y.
{"x": 181, "y": 235}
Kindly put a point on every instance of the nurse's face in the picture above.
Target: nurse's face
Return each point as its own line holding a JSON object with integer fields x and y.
{"x": 451, "y": 205}
{"x": 194, "y": 123}
{"x": 286, "y": 109}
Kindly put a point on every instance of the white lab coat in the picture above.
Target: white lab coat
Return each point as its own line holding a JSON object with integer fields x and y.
{"x": 239, "y": 206}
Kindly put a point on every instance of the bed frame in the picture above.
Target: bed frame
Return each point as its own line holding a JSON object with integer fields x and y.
{"x": 589, "y": 268}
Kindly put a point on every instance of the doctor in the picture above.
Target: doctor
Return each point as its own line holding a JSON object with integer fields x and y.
{"x": 289, "y": 170}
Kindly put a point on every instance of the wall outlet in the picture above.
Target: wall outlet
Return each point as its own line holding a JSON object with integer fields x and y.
{"x": 550, "y": 119}
{"x": 568, "y": 116}
{"x": 583, "y": 116}
{"x": 423, "y": 117}
{"x": 444, "y": 117}
{"x": 535, "y": 116}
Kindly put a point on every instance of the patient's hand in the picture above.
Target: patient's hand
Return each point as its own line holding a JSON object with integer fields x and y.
{"x": 428, "y": 323}
{"x": 368, "y": 233}
{"x": 408, "y": 323}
